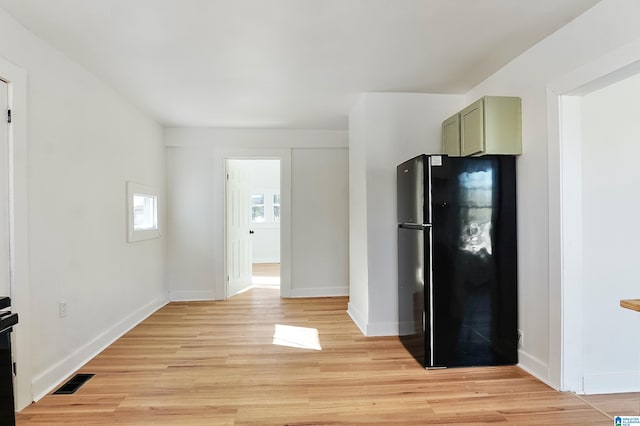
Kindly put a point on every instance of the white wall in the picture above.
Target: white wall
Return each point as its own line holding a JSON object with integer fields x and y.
{"x": 84, "y": 143}
{"x": 385, "y": 129}
{"x": 264, "y": 178}
{"x": 358, "y": 307}
{"x": 190, "y": 224}
{"x": 320, "y": 226}
{"x": 533, "y": 76}
{"x": 610, "y": 210}
{"x": 196, "y": 155}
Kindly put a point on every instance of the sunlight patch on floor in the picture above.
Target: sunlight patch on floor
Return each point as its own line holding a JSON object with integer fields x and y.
{"x": 297, "y": 337}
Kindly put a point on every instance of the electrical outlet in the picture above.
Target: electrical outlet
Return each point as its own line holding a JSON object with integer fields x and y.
{"x": 62, "y": 308}
{"x": 520, "y": 339}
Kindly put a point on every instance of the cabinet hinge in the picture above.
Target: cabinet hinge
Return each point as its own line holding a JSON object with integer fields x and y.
{"x": 15, "y": 369}
{"x": 8, "y": 116}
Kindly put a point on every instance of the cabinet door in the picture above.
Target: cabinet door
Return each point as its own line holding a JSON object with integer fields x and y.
{"x": 502, "y": 125}
{"x": 472, "y": 129}
{"x": 451, "y": 136}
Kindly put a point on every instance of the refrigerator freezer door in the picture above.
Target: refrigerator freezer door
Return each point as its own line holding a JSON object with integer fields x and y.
{"x": 412, "y": 191}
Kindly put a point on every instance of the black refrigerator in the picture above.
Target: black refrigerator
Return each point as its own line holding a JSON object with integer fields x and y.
{"x": 457, "y": 254}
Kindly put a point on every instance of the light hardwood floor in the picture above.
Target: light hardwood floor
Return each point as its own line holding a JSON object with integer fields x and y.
{"x": 214, "y": 363}
{"x": 621, "y": 404}
{"x": 266, "y": 269}
{"x": 265, "y": 275}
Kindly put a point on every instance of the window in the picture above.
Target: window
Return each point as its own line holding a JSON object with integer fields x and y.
{"x": 142, "y": 212}
{"x": 145, "y": 212}
{"x": 276, "y": 207}
{"x": 265, "y": 207}
{"x": 257, "y": 207}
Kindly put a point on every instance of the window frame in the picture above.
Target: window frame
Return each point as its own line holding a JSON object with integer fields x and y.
{"x": 133, "y": 234}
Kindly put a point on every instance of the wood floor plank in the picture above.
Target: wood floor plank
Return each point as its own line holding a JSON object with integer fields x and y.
{"x": 215, "y": 363}
{"x": 622, "y": 404}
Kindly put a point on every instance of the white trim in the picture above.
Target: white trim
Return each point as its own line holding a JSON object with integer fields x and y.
{"x": 534, "y": 366}
{"x": 16, "y": 79}
{"x": 357, "y": 317}
{"x": 371, "y": 329}
{"x": 265, "y": 260}
{"x": 611, "y": 383}
{"x": 284, "y": 155}
{"x": 191, "y": 296}
{"x": 52, "y": 377}
{"x": 406, "y": 328}
{"x": 554, "y": 161}
{"x": 612, "y": 67}
{"x": 320, "y": 292}
{"x": 382, "y": 329}
{"x": 571, "y": 241}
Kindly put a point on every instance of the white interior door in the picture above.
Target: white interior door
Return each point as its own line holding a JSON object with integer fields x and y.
{"x": 5, "y": 283}
{"x": 237, "y": 220}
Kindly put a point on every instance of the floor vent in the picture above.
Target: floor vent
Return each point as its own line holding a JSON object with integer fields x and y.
{"x": 73, "y": 384}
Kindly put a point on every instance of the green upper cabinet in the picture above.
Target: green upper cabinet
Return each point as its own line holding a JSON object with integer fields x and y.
{"x": 472, "y": 140}
{"x": 451, "y": 135}
{"x": 491, "y": 125}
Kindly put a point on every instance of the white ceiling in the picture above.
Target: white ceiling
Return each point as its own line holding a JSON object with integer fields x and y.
{"x": 287, "y": 63}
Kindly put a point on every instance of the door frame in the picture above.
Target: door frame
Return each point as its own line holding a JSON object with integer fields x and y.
{"x": 16, "y": 79}
{"x": 284, "y": 155}
{"x": 565, "y": 368}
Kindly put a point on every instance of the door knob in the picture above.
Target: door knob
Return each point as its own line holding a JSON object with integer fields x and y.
{"x": 251, "y": 231}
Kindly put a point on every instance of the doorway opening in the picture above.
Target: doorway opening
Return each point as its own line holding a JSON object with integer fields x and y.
{"x": 253, "y": 218}
{"x": 597, "y": 172}
{"x": 16, "y": 155}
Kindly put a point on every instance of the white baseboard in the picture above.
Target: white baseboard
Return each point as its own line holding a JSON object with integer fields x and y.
{"x": 45, "y": 382}
{"x": 611, "y": 383}
{"x": 535, "y": 367}
{"x": 406, "y": 328}
{"x": 382, "y": 329}
{"x": 357, "y": 318}
{"x": 191, "y": 296}
{"x": 320, "y": 292}
{"x": 371, "y": 329}
{"x": 266, "y": 260}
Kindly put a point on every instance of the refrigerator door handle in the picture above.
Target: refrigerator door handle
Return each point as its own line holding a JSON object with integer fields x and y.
{"x": 415, "y": 226}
